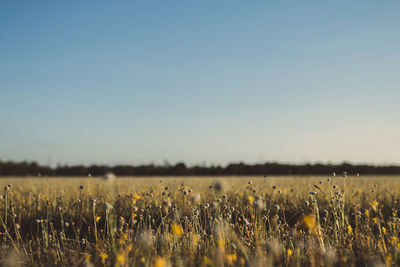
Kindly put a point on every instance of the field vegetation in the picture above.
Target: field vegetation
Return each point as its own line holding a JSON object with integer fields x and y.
{"x": 249, "y": 221}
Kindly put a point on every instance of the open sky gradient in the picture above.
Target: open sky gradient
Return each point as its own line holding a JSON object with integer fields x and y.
{"x": 199, "y": 81}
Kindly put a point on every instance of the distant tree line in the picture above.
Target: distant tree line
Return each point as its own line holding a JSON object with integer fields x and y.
{"x": 10, "y": 168}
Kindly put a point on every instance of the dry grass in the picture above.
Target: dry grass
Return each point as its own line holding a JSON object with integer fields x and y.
{"x": 286, "y": 221}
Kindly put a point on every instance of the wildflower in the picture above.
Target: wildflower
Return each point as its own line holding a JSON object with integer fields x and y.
{"x": 231, "y": 258}
{"x": 289, "y": 252}
{"x": 177, "y": 230}
{"x": 251, "y": 200}
{"x": 160, "y": 262}
{"x": 384, "y": 230}
{"x": 389, "y": 260}
{"x": 221, "y": 243}
{"x": 121, "y": 221}
{"x": 103, "y": 257}
{"x": 121, "y": 259}
{"x": 207, "y": 261}
{"x": 349, "y": 229}
{"x": 309, "y": 222}
{"x": 87, "y": 258}
{"x": 366, "y": 212}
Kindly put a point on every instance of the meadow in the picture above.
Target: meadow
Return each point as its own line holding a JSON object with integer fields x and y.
{"x": 200, "y": 221}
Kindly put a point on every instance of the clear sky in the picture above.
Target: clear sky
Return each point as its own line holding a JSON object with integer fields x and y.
{"x": 199, "y": 81}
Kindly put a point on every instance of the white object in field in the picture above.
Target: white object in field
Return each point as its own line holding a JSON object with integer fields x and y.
{"x": 109, "y": 176}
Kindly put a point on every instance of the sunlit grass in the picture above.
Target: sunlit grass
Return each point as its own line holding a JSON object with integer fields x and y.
{"x": 282, "y": 221}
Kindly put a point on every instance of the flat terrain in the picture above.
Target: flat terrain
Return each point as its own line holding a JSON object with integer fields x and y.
{"x": 200, "y": 221}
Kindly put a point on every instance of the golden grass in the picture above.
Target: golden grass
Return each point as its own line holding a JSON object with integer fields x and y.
{"x": 200, "y": 221}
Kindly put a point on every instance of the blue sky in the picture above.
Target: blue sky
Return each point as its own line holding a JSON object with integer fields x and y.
{"x": 199, "y": 81}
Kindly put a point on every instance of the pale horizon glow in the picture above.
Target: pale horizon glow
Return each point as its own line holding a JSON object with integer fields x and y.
{"x": 209, "y": 82}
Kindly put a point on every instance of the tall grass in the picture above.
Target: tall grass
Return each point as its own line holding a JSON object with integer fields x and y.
{"x": 287, "y": 221}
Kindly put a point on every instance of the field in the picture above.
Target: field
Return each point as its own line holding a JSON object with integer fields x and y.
{"x": 231, "y": 221}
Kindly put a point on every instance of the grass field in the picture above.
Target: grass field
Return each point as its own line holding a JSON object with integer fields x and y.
{"x": 231, "y": 221}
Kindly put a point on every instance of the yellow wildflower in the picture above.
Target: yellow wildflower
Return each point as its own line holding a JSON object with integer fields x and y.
{"x": 231, "y": 258}
{"x": 121, "y": 259}
{"x": 160, "y": 262}
{"x": 177, "y": 229}
{"x": 388, "y": 259}
{"x": 207, "y": 261}
{"x": 124, "y": 236}
{"x": 251, "y": 200}
{"x": 87, "y": 257}
{"x": 349, "y": 229}
{"x": 103, "y": 256}
{"x": 221, "y": 243}
{"x": 310, "y": 223}
{"x": 98, "y": 218}
{"x": 289, "y": 252}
